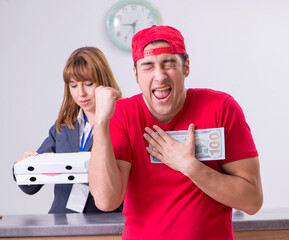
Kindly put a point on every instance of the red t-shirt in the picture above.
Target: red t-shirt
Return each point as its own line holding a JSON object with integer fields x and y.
{"x": 160, "y": 202}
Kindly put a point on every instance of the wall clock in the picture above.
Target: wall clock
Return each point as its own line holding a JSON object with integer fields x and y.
{"x": 127, "y": 17}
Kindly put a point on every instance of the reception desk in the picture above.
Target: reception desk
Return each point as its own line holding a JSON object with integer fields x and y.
{"x": 266, "y": 224}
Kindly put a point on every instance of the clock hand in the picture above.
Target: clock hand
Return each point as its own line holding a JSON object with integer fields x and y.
{"x": 128, "y": 33}
{"x": 133, "y": 26}
{"x": 130, "y": 24}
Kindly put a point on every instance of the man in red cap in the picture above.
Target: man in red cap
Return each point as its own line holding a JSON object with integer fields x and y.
{"x": 180, "y": 197}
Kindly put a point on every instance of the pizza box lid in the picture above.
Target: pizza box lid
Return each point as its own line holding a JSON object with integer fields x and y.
{"x": 62, "y": 178}
{"x": 54, "y": 163}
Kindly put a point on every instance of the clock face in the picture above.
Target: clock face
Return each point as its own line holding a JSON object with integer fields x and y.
{"x": 128, "y": 17}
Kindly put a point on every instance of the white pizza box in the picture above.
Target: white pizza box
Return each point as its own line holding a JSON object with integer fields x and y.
{"x": 62, "y": 178}
{"x": 54, "y": 163}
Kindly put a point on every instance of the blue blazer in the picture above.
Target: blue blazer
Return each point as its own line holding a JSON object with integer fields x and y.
{"x": 65, "y": 141}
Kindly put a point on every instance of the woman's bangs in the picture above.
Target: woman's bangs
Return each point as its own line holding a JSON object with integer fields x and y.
{"x": 79, "y": 71}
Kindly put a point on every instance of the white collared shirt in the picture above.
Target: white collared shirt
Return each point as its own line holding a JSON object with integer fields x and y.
{"x": 86, "y": 129}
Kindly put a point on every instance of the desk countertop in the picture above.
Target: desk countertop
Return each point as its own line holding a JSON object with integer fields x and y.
{"x": 112, "y": 223}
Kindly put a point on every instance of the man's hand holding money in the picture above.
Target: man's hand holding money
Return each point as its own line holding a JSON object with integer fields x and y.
{"x": 179, "y": 156}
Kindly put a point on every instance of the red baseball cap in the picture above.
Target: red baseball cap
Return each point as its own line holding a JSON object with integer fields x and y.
{"x": 155, "y": 33}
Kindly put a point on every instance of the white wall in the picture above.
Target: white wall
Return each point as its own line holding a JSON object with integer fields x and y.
{"x": 240, "y": 47}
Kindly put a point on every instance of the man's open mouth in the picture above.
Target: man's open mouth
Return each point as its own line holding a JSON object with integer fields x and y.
{"x": 162, "y": 93}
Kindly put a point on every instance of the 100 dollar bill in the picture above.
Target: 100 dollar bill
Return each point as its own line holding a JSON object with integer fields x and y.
{"x": 209, "y": 143}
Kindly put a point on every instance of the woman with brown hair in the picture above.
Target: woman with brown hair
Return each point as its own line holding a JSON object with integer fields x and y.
{"x": 86, "y": 69}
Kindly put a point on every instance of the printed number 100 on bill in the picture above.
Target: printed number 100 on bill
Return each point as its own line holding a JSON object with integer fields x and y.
{"x": 210, "y": 144}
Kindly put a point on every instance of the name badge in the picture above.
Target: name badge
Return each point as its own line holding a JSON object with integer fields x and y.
{"x": 78, "y": 197}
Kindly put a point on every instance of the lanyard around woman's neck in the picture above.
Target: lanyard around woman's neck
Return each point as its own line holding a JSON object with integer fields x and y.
{"x": 83, "y": 144}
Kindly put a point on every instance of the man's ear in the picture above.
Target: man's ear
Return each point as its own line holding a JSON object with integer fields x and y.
{"x": 135, "y": 74}
{"x": 187, "y": 67}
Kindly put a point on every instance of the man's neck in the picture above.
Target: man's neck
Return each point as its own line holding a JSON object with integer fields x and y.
{"x": 166, "y": 118}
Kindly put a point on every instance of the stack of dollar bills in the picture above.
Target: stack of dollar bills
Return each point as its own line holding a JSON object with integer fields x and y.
{"x": 210, "y": 143}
